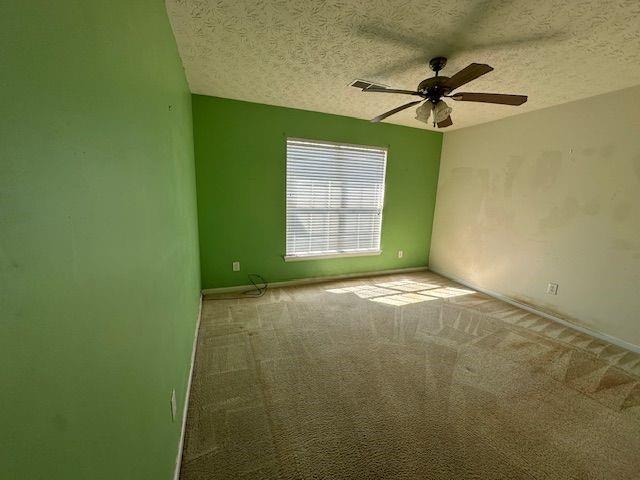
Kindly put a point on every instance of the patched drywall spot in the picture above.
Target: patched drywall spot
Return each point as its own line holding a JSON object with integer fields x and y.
{"x": 476, "y": 182}
{"x": 470, "y": 207}
{"x": 545, "y": 170}
{"x": 567, "y": 211}
{"x": 497, "y": 216}
{"x": 560, "y": 215}
{"x": 591, "y": 207}
{"x": 494, "y": 186}
{"x": 622, "y": 211}
{"x": 511, "y": 171}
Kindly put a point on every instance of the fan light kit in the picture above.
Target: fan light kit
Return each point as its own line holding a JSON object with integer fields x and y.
{"x": 423, "y": 112}
{"x": 434, "y": 89}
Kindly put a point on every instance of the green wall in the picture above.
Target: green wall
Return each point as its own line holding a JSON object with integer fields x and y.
{"x": 98, "y": 240}
{"x": 240, "y": 171}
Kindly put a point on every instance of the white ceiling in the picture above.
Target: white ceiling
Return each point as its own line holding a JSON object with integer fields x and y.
{"x": 304, "y": 53}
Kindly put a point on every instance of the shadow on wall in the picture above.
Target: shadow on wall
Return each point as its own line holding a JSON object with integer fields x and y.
{"x": 402, "y": 292}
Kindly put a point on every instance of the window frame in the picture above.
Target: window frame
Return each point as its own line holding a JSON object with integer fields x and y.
{"x": 318, "y": 256}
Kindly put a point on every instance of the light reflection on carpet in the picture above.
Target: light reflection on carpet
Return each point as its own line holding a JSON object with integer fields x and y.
{"x": 402, "y": 292}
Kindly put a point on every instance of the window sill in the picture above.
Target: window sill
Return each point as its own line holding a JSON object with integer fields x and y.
{"x": 299, "y": 258}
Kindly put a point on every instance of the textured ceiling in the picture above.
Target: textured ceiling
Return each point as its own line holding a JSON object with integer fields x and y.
{"x": 304, "y": 53}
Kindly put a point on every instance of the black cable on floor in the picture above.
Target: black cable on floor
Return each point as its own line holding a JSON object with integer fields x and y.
{"x": 255, "y": 292}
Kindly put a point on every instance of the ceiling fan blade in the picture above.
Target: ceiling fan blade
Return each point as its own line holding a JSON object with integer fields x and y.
{"x": 447, "y": 122}
{"x": 395, "y": 110}
{"x": 467, "y": 74}
{"x": 390, "y": 90}
{"x": 499, "y": 98}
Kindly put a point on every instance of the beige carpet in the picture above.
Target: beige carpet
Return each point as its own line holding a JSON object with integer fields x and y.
{"x": 405, "y": 377}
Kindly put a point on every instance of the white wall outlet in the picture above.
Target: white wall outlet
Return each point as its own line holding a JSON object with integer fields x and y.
{"x": 400, "y": 253}
{"x": 552, "y": 289}
{"x": 174, "y": 405}
{"x": 236, "y": 266}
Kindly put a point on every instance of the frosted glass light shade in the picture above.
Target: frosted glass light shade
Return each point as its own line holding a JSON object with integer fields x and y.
{"x": 423, "y": 112}
{"x": 441, "y": 111}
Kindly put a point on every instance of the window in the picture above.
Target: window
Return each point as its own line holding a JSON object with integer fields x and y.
{"x": 334, "y": 199}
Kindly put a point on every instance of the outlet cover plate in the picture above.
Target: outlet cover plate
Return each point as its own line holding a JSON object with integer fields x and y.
{"x": 236, "y": 266}
{"x": 552, "y": 289}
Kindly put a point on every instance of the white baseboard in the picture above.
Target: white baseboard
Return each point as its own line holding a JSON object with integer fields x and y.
{"x": 176, "y": 474}
{"x": 310, "y": 280}
{"x": 530, "y": 308}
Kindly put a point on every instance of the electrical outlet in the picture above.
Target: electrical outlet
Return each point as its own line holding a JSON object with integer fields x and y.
{"x": 552, "y": 289}
{"x": 174, "y": 405}
{"x": 236, "y": 266}
{"x": 400, "y": 253}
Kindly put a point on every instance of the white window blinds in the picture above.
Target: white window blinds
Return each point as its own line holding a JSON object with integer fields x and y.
{"x": 334, "y": 199}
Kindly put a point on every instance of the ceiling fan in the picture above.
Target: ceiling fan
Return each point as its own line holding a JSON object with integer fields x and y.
{"x": 434, "y": 89}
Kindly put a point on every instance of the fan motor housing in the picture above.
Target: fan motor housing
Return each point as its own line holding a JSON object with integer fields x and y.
{"x": 434, "y": 88}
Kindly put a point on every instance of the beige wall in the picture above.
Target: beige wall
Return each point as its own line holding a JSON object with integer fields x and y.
{"x": 548, "y": 196}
